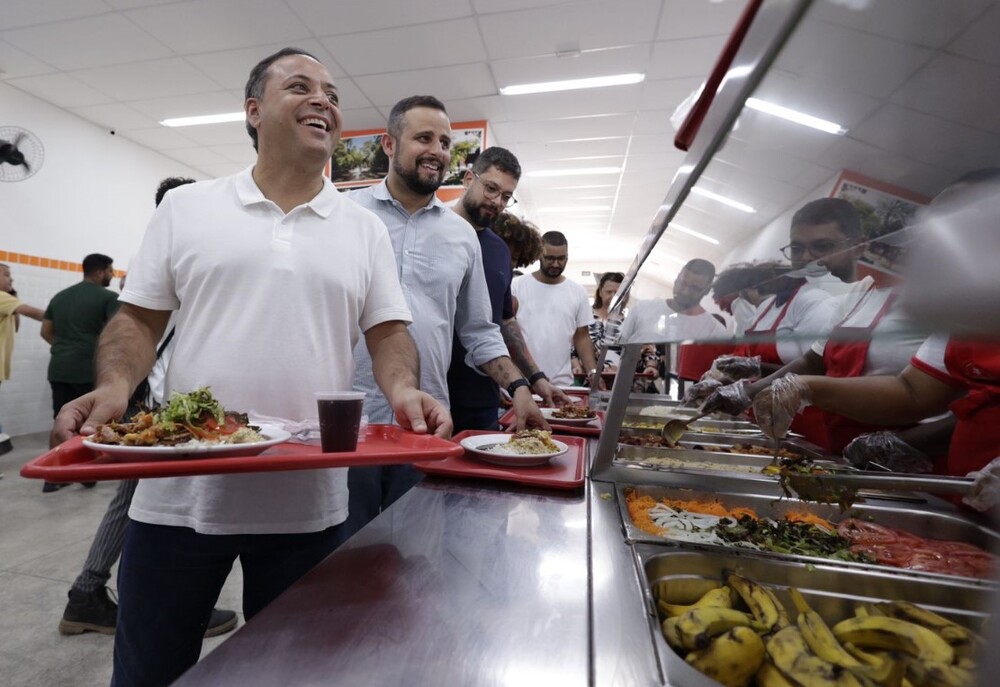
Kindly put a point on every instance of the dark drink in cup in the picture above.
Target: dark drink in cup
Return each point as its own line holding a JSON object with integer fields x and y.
{"x": 339, "y": 420}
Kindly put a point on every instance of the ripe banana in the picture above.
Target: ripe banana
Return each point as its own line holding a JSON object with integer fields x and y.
{"x": 769, "y": 676}
{"x": 961, "y": 639}
{"x": 761, "y": 601}
{"x": 696, "y": 628}
{"x": 934, "y": 674}
{"x": 788, "y": 650}
{"x": 732, "y": 658}
{"x": 818, "y": 635}
{"x": 720, "y": 597}
{"x": 882, "y": 668}
{"x": 892, "y": 633}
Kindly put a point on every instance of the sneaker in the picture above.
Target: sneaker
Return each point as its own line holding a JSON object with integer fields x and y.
{"x": 89, "y": 485}
{"x": 89, "y": 612}
{"x": 50, "y": 487}
{"x": 220, "y": 622}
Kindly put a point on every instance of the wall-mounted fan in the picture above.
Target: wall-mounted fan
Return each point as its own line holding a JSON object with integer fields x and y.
{"x": 21, "y": 153}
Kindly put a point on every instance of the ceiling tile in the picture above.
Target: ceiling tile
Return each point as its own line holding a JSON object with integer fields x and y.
{"x": 924, "y": 22}
{"x": 691, "y": 57}
{"x": 88, "y": 42}
{"x": 667, "y": 94}
{"x": 198, "y": 156}
{"x": 845, "y": 107}
{"x": 15, "y": 63}
{"x": 447, "y": 83}
{"x": 585, "y": 26}
{"x": 492, "y": 108}
{"x": 114, "y": 116}
{"x": 159, "y": 138}
{"x": 591, "y": 101}
{"x": 582, "y": 127}
{"x": 540, "y": 68}
{"x": 145, "y": 80}
{"x": 953, "y": 87}
{"x": 979, "y": 41}
{"x": 221, "y": 170}
{"x": 231, "y": 68}
{"x": 239, "y": 153}
{"x": 221, "y": 24}
{"x": 216, "y": 102}
{"x": 700, "y": 18}
{"x": 349, "y": 16}
{"x": 364, "y": 118}
{"x": 27, "y": 12}
{"x": 433, "y": 45}
{"x": 654, "y": 122}
{"x": 570, "y": 149}
{"x": 61, "y": 90}
{"x": 230, "y": 133}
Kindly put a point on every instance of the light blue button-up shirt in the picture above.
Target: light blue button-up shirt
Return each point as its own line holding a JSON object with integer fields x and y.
{"x": 441, "y": 271}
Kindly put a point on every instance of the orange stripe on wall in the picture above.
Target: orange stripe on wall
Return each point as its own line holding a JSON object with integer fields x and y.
{"x": 38, "y": 261}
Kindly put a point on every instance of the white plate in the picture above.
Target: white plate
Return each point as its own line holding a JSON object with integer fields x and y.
{"x": 547, "y": 413}
{"x": 575, "y": 389}
{"x": 272, "y": 435}
{"x": 475, "y": 445}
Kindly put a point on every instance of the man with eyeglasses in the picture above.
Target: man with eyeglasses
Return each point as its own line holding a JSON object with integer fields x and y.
{"x": 554, "y": 313}
{"x": 489, "y": 189}
{"x": 440, "y": 268}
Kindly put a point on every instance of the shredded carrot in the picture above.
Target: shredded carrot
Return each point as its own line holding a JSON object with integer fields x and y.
{"x": 638, "y": 510}
{"x": 639, "y": 506}
{"x": 809, "y": 518}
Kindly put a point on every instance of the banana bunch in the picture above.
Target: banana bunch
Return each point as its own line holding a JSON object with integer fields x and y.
{"x": 889, "y": 644}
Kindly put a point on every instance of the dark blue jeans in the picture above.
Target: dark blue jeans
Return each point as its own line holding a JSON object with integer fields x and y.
{"x": 475, "y": 418}
{"x": 169, "y": 578}
{"x": 373, "y": 489}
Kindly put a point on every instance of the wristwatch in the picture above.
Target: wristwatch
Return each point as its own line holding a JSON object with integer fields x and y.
{"x": 515, "y": 385}
{"x": 535, "y": 377}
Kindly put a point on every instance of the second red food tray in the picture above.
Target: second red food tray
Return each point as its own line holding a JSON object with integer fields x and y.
{"x": 591, "y": 429}
{"x": 562, "y": 472}
{"x": 383, "y": 445}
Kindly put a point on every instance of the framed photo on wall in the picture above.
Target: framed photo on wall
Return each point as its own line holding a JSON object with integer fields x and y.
{"x": 886, "y": 210}
{"x": 360, "y": 161}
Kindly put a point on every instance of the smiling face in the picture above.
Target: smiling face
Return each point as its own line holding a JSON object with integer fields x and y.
{"x": 297, "y": 117}
{"x": 483, "y": 200}
{"x": 422, "y": 153}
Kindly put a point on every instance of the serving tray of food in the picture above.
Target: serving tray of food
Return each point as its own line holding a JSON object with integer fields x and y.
{"x": 870, "y": 535}
{"x": 746, "y": 619}
{"x": 708, "y": 425}
{"x": 78, "y": 460}
{"x": 482, "y": 455}
{"x": 579, "y": 420}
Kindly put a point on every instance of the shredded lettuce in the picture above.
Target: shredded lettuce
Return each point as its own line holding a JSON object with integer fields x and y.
{"x": 191, "y": 408}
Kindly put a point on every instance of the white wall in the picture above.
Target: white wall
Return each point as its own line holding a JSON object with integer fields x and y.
{"x": 93, "y": 194}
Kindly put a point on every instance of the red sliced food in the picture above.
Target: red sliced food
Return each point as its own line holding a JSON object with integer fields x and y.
{"x": 861, "y": 532}
{"x": 956, "y": 547}
{"x": 982, "y": 563}
{"x": 929, "y": 561}
{"x": 894, "y": 554}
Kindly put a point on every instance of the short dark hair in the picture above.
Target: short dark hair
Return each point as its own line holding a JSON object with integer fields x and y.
{"x": 96, "y": 262}
{"x": 746, "y": 275}
{"x": 699, "y": 266}
{"x": 169, "y": 183}
{"x": 258, "y": 76}
{"x": 498, "y": 157}
{"x": 826, "y": 210}
{"x": 398, "y": 113}
{"x": 522, "y": 237}
{"x": 616, "y": 277}
{"x": 555, "y": 238}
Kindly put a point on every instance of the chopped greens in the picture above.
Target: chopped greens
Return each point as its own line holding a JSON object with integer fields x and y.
{"x": 192, "y": 408}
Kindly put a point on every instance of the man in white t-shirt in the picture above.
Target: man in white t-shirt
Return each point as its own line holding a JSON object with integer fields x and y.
{"x": 274, "y": 276}
{"x": 554, "y": 313}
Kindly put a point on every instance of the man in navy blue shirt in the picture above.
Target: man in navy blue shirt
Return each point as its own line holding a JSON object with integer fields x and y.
{"x": 489, "y": 190}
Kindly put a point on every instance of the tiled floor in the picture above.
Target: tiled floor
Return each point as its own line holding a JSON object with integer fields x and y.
{"x": 44, "y": 539}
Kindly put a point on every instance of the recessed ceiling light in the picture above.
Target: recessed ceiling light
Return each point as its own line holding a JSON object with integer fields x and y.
{"x": 579, "y": 171}
{"x": 795, "y": 116}
{"x": 573, "y": 84}
{"x": 722, "y": 199}
{"x": 205, "y": 119}
{"x": 696, "y": 234}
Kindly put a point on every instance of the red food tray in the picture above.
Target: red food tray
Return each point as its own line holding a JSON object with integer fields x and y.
{"x": 383, "y": 445}
{"x": 562, "y": 472}
{"x": 592, "y": 429}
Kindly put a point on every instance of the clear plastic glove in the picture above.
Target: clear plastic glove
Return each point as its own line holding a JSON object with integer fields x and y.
{"x": 888, "y": 450}
{"x": 729, "y": 368}
{"x": 697, "y": 393}
{"x": 776, "y": 406}
{"x": 731, "y": 399}
{"x": 985, "y": 494}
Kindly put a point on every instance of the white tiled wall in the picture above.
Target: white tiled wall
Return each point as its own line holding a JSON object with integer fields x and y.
{"x": 25, "y": 398}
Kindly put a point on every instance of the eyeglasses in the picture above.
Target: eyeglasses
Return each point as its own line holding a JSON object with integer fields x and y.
{"x": 817, "y": 249}
{"x": 555, "y": 258}
{"x": 491, "y": 191}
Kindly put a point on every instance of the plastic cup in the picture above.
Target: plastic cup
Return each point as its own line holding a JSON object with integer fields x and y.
{"x": 339, "y": 419}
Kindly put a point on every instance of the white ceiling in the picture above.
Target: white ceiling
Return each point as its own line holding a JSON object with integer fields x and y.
{"x": 915, "y": 82}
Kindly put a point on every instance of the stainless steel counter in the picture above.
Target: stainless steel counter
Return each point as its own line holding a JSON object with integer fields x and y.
{"x": 458, "y": 583}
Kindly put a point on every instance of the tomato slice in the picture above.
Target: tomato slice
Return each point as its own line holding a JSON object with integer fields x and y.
{"x": 861, "y": 532}
{"x": 229, "y": 426}
{"x": 894, "y": 554}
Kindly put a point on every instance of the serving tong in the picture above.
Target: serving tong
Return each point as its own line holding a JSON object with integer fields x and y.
{"x": 831, "y": 487}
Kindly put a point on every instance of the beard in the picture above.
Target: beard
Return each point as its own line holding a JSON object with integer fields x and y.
{"x": 414, "y": 182}
{"x": 475, "y": 213}
{"x": 553, "y": 272}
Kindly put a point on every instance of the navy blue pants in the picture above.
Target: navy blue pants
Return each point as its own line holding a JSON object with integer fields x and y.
{"x": 475, "y": 418}
{"x": 373, "y": 489}
{"x": 169, "y": 580}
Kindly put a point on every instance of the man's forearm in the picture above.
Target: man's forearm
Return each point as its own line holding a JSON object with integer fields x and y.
{"x": 585, "y": 349}
{"x": 518, "y": 347}
{"x": 126, "y": 350}
{"x": 502, "y": 371}
{"x": 395, "y": 360}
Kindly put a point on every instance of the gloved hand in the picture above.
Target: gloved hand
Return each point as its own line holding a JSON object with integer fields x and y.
{"x": 729, "y": 368}
{"x": 888, "y": 450}
{"x": 697, "y": 393}
{"x": 732, "y": 399}
{"x": 985, "y": 494}
{"x": 775, "y": 407}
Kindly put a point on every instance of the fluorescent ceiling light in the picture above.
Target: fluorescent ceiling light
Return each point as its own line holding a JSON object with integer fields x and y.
{"x": 205, "y": 119}
{"x": 578, "y": 208}
{"x": 579, "y": 171}
{"x": 696, "y": 234}
{"x": 795, "y": 116}
{"x": 722, "y": 199}
{"x": 573, "y": 84}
